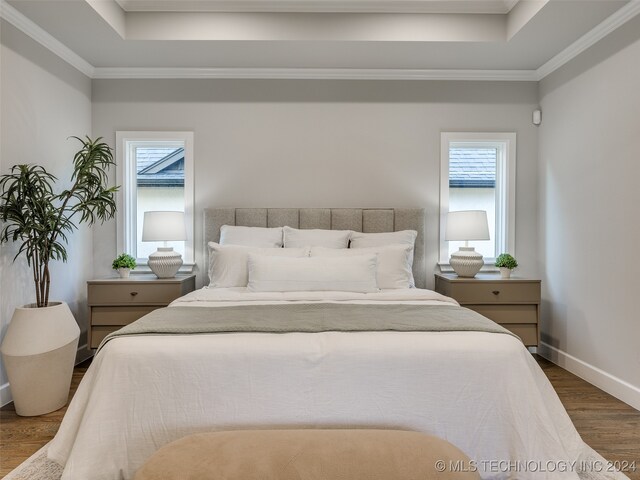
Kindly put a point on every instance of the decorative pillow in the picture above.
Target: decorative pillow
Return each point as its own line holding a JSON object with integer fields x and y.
{"x": 403, "y": 237}
{"x": 394, "y": 265}
{"x": 346, "y": 274}
{"x": 294, "y": 238}
{"x": 228, "y": 263}
{"x": 251, "y": 236}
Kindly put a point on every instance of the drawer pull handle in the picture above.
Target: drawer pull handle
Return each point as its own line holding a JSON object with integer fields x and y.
{"x": 133, "y": 294}
{"x": 496, "y": 292}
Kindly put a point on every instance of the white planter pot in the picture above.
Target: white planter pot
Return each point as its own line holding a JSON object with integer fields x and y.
{"x": 505, "y": 272}
{"x": 39, "y": 351}
{"x": 124, "y": 272}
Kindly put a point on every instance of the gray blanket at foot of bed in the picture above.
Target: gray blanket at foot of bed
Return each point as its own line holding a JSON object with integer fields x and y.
{"x": 308, "y": 318}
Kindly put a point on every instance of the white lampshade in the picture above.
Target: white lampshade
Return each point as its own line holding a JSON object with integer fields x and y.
{"x": 467, "y": 225}
{"x": 163, "y": 227}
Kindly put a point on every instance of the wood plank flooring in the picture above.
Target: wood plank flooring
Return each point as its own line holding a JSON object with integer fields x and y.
{"x": 610, "y": 426}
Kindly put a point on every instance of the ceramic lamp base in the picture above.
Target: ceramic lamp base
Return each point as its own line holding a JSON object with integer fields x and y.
{"x": 165, "y": 262}
{"x": 466, "y": 262}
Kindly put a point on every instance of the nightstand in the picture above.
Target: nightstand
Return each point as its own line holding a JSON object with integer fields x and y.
{"x": 514, "y": 303}
{"x": 115, "y": 302}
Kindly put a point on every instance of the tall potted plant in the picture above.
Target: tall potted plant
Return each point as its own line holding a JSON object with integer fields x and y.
{"x": 41, "y": 341}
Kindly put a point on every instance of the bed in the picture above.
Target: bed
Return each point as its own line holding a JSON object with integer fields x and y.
{"x": 480, "y": 390}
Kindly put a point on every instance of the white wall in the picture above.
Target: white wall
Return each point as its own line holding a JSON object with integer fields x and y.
{"x": 43, "y": 101}
{"x": 589, "y": 180}
{"x": 287, "y": 143}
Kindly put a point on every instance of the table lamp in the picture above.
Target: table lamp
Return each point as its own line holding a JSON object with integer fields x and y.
{"x": 164, "y": 227}
{"x": 464, "y": 226}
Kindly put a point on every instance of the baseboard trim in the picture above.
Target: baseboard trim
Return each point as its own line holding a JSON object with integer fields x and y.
{"x": 622, "y": 390}
{"x": 82, "y": 354}
{"x": 5, "y": 394}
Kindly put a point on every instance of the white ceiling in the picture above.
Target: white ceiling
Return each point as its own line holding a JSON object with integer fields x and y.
{"x": 479, "y": 35}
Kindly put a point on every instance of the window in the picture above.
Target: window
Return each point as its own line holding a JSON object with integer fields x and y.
{"x": 155, "y": 172}
{"x": 478, "y": 172}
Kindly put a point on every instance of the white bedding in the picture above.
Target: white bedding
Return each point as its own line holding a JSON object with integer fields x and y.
{"x": 483, "y": 392}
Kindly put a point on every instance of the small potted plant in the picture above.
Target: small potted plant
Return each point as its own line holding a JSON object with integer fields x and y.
{"x": 124, "y": 264}
{"x": 506, "y": 263}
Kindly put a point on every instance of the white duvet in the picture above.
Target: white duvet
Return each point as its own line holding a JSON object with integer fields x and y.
{"x": 483, "y": 392}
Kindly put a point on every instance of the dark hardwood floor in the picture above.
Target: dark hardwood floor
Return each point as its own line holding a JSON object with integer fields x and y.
{"x": 610, "y": 426}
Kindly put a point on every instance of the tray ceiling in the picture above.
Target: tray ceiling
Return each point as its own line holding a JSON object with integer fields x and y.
{"x": 511, "y": 38}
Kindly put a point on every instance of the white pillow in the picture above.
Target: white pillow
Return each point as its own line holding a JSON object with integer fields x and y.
{"x": 403, "y": 237}
{"x": 251, "y": 236}
{"x": 394, "y": 265}
{"x": 345, "y": 274}
{"x": 294, "y": 238}
{"x": 228, "y": 263}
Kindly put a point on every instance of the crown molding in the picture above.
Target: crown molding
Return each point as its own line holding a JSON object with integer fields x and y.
{"x": 321, "y": 6}
{"x": 27, "y": 26}
{"x": 604, "y": 28}
{"x": 318, "y": 73}
{"x": 37, "y": 33}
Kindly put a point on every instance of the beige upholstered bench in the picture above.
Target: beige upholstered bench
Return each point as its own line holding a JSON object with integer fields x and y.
{"x": 308, "y": 455}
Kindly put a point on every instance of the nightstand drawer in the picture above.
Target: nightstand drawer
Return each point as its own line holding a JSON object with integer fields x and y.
{"x": 115, "y": 302}
{"x": 118, "y": 315}
{"x": 508, "y": 313}
{"x": 513, "y": 303}
{"x": 527, "y": 332}
{"x": 131, "y": 293}
{"x": 498, "y": 292}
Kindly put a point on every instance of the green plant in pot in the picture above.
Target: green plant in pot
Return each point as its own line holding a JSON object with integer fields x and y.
{"x": 39, "y": 347}
{"x": 123, "y": 264}
{"x": 506, "y": 263}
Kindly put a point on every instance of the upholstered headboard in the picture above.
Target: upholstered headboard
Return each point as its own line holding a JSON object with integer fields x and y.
{"x": 368, "y": 220}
